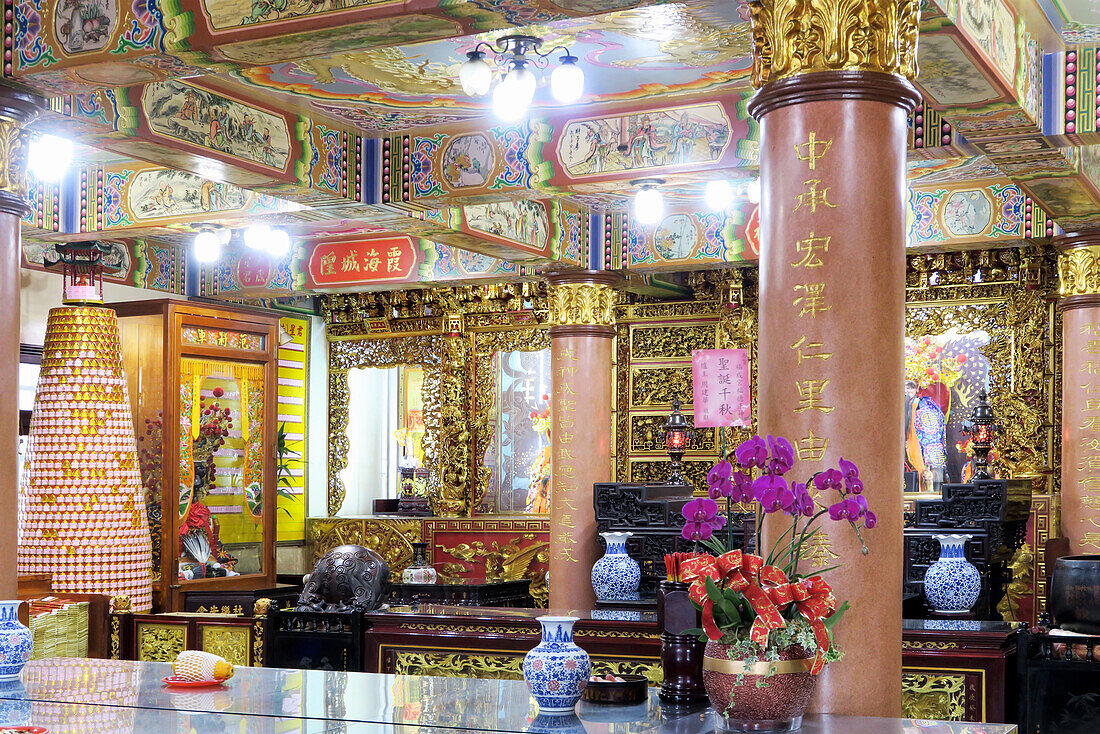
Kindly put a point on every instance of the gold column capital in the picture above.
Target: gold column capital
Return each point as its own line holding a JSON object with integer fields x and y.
{"x": 582, "y": 302}
{"x": 1079, "y": 268}
{"x": 17, "y": 110}
{"x": 793, "y": 37}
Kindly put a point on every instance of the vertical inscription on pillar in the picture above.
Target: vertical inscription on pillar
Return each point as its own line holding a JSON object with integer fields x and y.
{"x": 564, "y": 486}
{"x": 1088, "y": 466}
{"x": 810, "y": 299}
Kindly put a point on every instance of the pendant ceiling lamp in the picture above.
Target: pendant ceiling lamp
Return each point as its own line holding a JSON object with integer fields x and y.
{"x": 513, "y": 56}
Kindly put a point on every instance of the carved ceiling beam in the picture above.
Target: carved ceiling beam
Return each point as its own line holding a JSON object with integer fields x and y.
{"x": 1002, "y": 80}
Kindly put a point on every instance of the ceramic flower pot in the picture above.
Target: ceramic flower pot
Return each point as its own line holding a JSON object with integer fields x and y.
{"x": 15, "y": 641}
{"x": 762, "y": 696}
{"x": 952, "y": 584}
{"x": 556, "y": 670}
{"x": 616, "y": 576}
{"x": 420, "y": 572}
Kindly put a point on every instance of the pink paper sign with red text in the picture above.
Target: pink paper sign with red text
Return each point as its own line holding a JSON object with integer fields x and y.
{"x": 720, "y": 387}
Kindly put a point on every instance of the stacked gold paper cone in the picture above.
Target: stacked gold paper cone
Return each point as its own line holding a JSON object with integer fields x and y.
{"x": 82, "y": 512}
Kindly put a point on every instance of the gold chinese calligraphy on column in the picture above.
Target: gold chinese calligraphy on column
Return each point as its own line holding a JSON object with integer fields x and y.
{"x": 1087, "y": 477}
{"x": 564, "y": 484}
{"x": 809, "y": 297}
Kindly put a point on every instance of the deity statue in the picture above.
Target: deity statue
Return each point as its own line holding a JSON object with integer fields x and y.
{"x": 925, "y": 437}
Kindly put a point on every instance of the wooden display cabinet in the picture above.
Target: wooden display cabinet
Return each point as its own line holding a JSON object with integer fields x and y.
{"x": 181, "y": 359}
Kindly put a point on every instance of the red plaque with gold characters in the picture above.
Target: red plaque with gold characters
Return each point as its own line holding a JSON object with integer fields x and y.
{"x": 354, "y": 262}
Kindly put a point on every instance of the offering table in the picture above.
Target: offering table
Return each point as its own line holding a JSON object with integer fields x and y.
{"x": 115, "y": 696}
{"x": 491, "y": 642}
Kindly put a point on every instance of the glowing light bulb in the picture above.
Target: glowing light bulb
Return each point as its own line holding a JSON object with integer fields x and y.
{"x": 208, "y": 247}
{"x": 475, "y": 75}
{"x": 256, "y": 236}
{"x": 278, "y": 243}
{"x": 524, "y": 82}
{"x": 48, "y": 157}
{"x": 567, "y": 81}
{"x": 509, "y": 99}
{"x": 718, "y": 195}
{"x": 649, "y": 205}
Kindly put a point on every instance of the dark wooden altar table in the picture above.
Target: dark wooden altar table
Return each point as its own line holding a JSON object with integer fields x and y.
{"x": 67, "y": 696}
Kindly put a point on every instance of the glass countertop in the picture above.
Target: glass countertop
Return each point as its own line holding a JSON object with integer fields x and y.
{"x": 79, "y": 695}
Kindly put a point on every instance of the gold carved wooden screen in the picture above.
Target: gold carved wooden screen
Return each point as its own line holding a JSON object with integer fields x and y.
{"x": 653, "y": 365}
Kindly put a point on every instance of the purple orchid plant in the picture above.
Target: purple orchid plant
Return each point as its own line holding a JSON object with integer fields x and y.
{"x": 771, "y": 492}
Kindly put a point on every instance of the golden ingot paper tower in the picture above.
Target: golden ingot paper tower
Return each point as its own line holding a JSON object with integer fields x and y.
{"x": 81, "y": 509}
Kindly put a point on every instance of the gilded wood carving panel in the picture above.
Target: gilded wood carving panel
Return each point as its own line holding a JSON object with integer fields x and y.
{"x": 695, "y": 471}
{"x": 506, "y": 666}
{"x": 391, "y": 538}
{"x": 653, "y": 364}
{"x": 938, "y": 697}
{"x": 646, "y": 436}
{"x": 160, "y": 642}
{"x": 659, "y": 385}
{"x": 668, "y": 342}
{"x": 446, "y": 438}
{"x": 232, "y": 643}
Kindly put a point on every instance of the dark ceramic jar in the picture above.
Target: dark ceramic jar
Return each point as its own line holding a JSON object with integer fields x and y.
{"x": 1075, "y": 593}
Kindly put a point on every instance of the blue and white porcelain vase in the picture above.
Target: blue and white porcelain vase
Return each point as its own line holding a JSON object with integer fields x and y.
{"x": 616, "y": 576}
{"x": 15, "y": 641}
{"x": 556, "y": 670}
{"x": 952, "y": 584}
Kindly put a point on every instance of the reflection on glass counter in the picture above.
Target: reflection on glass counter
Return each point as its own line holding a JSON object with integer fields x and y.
{"x": 110, "y": 697}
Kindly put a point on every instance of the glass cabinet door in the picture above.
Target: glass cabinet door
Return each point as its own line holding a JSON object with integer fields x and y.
{"x": 221, "y": 498}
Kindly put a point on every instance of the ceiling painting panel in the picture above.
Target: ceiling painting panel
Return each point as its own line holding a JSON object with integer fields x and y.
{"x": 137, "y": 195}
{"x": 73, "y": 46}
{"x": 224, "y": 14}
{"x": 138, "y": 262}
{"x": 964, "y": 213}
{"x": 947, "y": 74}
{"x": 643, "y": 142}
{"x": 208, "y": 120}
{"x": 690, "y": 240}
{"x": 977, "y": 168}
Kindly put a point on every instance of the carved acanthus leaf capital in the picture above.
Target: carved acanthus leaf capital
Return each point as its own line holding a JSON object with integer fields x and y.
{"x": 1079, "y": 271}
{"x": 582, "y": 304}
{"x": 792, "y": 37}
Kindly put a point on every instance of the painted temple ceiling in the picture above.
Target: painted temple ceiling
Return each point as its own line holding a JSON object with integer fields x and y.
{"x": 343, "y": 121}
{"x": 656, "y": 52}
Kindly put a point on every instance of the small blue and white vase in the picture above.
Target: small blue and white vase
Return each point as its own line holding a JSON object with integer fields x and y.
{"x": 15, "y": 641}
{"x": 556, "y": 670}
{"x": 952, "y": 584}
{"x": 616, "y": 576}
